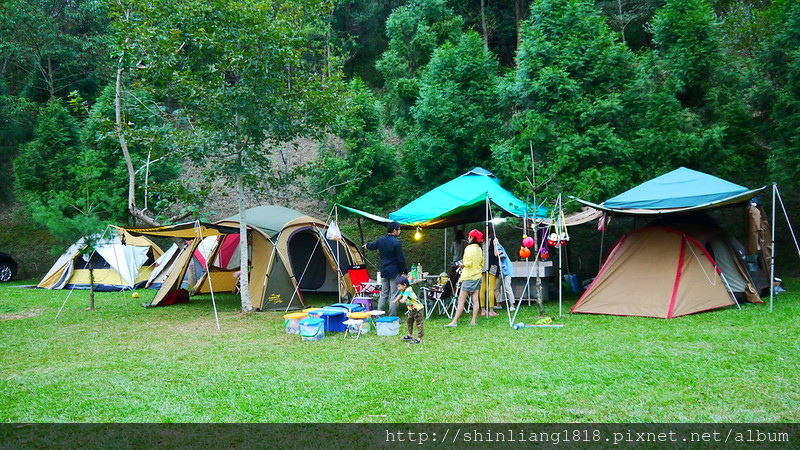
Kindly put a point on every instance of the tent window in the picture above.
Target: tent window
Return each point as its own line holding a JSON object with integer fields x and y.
{"x": 96, "y": 262}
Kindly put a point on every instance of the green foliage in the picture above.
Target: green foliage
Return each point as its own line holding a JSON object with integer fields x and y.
{"x": 358, "y": 27}
{"x": 414, "y": 31}
{"x": 457, "y": 115}
{"x": 239, "y": 78}
{"x": 64, "y": 184}
{"x": 43, "y": 164}
{"x": 687, "y": 40}
{"x": 362, "y": 169}
{"x": 149, "y": 136}
{"x": 50, "y": 48}
{"x": 569, "y": 109}
{"x": 779, "y": 93}
{"x": 16, "y": 118}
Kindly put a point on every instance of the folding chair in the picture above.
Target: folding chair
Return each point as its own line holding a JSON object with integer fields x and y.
{"x": 359, "y": 278}
{"x": 434, "y": 301}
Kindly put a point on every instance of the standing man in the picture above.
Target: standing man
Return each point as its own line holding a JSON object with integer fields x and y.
{"x": 393, "y": 264}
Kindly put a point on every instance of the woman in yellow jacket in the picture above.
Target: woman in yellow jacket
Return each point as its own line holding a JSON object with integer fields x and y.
{"x": 471, "y": 267}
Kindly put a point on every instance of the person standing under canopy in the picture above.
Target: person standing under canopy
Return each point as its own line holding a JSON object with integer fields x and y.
{"x": 393, "y": 264}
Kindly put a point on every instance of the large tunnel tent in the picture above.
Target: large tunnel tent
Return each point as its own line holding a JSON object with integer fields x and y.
{"x": 289, "y": 257}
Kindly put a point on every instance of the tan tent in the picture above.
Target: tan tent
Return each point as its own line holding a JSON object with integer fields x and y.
{"x": 656, "y": 272}
{"x": 117, "y": 264}
{"x": 289, "y": 256}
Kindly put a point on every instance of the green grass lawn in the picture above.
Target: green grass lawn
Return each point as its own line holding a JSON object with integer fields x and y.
{"x": 125, "y": 363}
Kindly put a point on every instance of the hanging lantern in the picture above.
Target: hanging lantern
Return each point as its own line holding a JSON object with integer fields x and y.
{"x": 527, "y": 241}
{"x": 418, "y": 234}
{"x": 552, "y": 240}
{"x": 544, "y": 253}
{"x": 524, "y": 252}
{"x": 563, "y": 239}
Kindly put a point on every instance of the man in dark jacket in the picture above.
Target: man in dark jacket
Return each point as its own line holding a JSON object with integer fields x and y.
{"x": 393, "y": 264}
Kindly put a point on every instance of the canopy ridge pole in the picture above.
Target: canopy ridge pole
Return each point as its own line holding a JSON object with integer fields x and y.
{"x": 199, "y": 235}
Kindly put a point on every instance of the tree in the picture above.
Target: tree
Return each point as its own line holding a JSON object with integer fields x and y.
{"x": 64, "y": 184}
{"x": 414, "y": 31}
{"x": 567, "y": 98}
{"x": 241, "y": 78}
{"x": 458, "y": 113}
{"x": 778, "y": 93}
{"x": 360, "y": 167}
{"x": 52, "y": 47}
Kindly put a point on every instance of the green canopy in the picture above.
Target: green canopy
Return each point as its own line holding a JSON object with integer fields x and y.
{"x": 459, "y": 201}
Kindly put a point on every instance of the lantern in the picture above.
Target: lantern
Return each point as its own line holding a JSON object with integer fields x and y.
{"x": 544, "y": 253}
{"x": 524, "y": 252}
{"x": 527, "y": 241}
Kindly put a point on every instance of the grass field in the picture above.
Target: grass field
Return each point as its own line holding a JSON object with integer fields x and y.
{"x": 125, "y": 363}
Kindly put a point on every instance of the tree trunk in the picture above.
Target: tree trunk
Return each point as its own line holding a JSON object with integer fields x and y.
{"x": 483, "y": 25}
{"x": 91, "y": 288}
{"x": 123, "y": 145}
{"x": 244, "y": 263}
{"x": 518, "y": 5}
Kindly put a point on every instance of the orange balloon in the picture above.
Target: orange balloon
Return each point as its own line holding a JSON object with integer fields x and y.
{"x": 524, "y": 252}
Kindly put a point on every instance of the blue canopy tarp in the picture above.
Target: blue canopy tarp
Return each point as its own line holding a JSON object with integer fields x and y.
{"x": 681, "y": 190}
{"x": 459, "y": 201}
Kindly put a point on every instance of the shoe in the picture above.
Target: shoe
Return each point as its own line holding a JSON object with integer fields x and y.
{"x": 407, "y": 338}
{"x": 493, "y": 314}
{"x": 451, "y": 325}
{"x": 498, "y": 307}
{"x": 512, "y": 309}
{"x": 484, "y": 313}
{"x": 473, "y": 323}
{"x": 415, "y": 341}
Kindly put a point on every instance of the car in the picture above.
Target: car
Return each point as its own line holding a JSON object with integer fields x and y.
{"x": 8, "y": 267}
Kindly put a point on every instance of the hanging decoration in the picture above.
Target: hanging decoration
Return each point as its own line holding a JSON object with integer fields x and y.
{"x": 524, "y": 252}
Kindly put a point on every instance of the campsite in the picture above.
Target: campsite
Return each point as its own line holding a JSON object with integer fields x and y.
{"x": 205, "y": 205}
{"x": 124, "y": 363}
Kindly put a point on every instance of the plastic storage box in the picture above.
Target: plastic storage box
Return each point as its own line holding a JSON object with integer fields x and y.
{"x": 349, "y": 307}
{"x": 312, "y": 329}
{"x": 387, "y": 326}
{"x": 334, "y": 318}
{"x": 292, "y": 322}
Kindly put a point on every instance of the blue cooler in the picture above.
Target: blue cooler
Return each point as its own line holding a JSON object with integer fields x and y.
{"x": 334, "y": 318}
{"x": 312, "y": 329}
{"x": 350, "y": 307}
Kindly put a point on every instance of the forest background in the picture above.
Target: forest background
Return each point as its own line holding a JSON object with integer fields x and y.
{"x": 126, "y": 112}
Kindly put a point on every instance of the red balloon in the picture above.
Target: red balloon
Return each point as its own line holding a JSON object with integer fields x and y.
{"x": 524, "y": 252}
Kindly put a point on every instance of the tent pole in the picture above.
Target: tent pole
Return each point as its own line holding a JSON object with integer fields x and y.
{"x": 772, "y": 250}
{"x": 208, "y": 272}
{"x": 560, "y": 269}
{"x": 728, "y": 286}
{"x": 602, "y": 243}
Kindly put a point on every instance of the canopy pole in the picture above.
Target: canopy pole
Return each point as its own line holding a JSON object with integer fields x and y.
{"x": 199, "y": 236}
{"x": 560, "y": 269}
{"x": 444, "y": 253}
{"x": 338, "y": 263}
